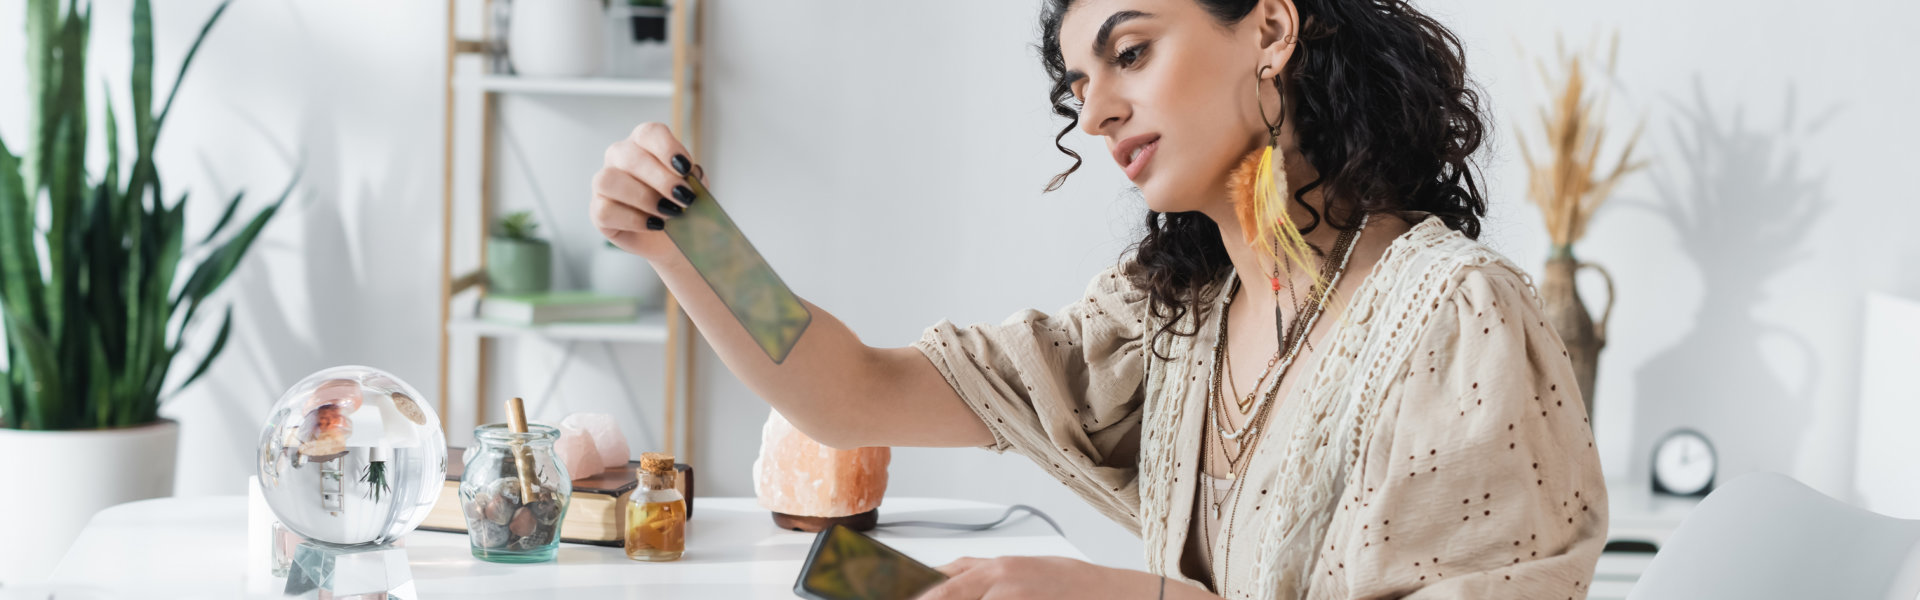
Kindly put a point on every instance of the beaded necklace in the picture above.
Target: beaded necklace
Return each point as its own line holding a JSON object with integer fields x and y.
{"x": 1237, "y": 462}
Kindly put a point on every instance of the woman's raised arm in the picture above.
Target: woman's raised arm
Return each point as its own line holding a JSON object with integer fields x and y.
{"x": 836, "y": 389}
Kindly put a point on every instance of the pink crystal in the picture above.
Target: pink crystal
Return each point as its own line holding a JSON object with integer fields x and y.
{"x": 797, "y": 476}
{"x": 576, "y": 451}
{"x": 606, "y": 436}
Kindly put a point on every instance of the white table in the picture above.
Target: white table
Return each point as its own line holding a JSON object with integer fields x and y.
{"x": 196, "y": 548}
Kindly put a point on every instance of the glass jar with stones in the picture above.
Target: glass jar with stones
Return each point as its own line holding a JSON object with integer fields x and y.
{"x": 514, "y": 494}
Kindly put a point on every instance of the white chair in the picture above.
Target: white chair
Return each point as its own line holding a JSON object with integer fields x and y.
{"x": 1767, "y": 536}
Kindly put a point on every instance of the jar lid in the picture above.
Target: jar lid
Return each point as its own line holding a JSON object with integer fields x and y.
{"x": 656, "y": 462}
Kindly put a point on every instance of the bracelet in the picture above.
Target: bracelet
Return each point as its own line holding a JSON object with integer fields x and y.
{"x": 1163, "y": 587}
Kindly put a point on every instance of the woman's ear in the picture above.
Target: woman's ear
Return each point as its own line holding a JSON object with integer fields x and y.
{"x": 1279, "y": 33}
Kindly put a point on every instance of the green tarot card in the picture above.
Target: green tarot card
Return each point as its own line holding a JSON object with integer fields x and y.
{"x": 847, "y": 565}
{"x": 772, "y": 314}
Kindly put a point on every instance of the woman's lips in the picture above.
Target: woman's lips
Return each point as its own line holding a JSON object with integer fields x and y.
{"x": 1139, "y": 163}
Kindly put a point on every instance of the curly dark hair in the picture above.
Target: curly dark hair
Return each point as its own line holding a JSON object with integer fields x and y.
{"x": 1383, "y": 109}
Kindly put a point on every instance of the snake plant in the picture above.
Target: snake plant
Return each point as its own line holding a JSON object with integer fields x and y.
{"x": 94, "y": 309}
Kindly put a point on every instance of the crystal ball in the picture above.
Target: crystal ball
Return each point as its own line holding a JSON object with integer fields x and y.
{"x": 352, "y": 455}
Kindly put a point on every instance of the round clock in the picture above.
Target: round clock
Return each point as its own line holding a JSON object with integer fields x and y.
{"x": 1684, "y": 464}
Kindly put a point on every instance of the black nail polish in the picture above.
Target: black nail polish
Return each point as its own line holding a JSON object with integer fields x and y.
{"x": 684, "y": 194}
{"x": 670, "y": 209}
{"x": 656, "y": 224}
{"x": 681, "y": 164}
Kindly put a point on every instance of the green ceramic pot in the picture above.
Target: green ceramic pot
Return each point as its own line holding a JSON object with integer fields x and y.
{"x": 519, "y": 266}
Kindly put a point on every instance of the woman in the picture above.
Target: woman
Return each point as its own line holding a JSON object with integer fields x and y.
{"x": 1384, "y": 413}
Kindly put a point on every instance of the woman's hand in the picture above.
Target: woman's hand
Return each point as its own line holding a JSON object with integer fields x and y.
{"x": 642, "y": 184}
{"x": 1048, "y": 577}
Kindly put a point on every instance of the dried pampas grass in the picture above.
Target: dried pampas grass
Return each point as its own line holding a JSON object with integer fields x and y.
{"x": 1567, "y": 184}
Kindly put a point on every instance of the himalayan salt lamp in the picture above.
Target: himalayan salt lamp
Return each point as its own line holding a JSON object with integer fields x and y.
{"x": 810, "y": 487}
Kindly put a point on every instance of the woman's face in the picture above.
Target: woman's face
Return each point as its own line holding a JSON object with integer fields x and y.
{"x": 1166, "y": 77}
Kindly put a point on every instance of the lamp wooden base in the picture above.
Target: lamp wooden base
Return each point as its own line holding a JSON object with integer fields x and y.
{"x": 861, "y": 522}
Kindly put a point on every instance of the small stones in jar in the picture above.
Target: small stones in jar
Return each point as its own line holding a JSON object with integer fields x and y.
{"x": 497, "y": 519}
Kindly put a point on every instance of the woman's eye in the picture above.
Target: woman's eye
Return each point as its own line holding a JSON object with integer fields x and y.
{"x": 1129, "y": 56}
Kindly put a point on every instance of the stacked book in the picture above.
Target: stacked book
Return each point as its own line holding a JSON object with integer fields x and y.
{"x": 596, "y": 514}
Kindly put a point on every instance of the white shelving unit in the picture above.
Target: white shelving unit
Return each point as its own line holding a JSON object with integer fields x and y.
{"x": 596, "y": 86}
{"x": 648, "y": 329}
{"x": 667, "y": 326}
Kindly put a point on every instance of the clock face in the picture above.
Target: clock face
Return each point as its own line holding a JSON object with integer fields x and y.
{"x": 1684, "y": 463}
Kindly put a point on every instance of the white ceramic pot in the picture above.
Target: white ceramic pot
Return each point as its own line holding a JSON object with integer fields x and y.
{"x": 56, "y": 480}
{"x": 557, "y": 38}
{"x": 619, "y": 273}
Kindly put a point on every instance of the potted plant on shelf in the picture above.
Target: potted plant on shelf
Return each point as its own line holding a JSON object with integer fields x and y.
{"x": 639, "y": 31}
{"x": 518, "y": 262}
{"x": 95, "y": 311}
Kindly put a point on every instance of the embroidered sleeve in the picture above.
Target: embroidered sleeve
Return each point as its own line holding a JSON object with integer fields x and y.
{"x": 1063, "y": 389}
{"x": 1486, "y": 484}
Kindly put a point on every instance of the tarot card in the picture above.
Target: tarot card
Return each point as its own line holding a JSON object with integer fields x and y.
{"x": 762, "y": 303}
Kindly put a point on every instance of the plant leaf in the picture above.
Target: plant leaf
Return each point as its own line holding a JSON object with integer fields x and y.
{"x": 219, "y": 343}
{"x": 42, "y": 380}
{"x": 219, "y": 264}
{"x": 144, "y": 132}
{"x": 233, "y": 206}
{"x": 21, "y": 290}
{"x": 8, "y": 412}
{"x": 100, "y": 388}
{"x": 188, "y": 61}
{"x": 170, "y": 226}
{"x": 42, "y": 21}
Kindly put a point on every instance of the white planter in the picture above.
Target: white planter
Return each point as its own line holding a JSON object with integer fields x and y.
{"x": 557, "y": 38}
{"x": 56, "y": 480}
{"x": 619, "y": 273}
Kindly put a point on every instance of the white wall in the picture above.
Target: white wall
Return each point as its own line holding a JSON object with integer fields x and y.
{"x": 887, "y": 157}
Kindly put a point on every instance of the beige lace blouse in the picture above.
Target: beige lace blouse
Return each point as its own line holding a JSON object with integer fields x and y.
{"x": 1440, "y": 451}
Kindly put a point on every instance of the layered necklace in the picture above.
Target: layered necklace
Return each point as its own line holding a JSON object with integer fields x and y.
{"x": 1255, "y": 405}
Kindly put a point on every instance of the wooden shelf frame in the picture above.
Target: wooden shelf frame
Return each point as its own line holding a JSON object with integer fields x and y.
{"x": 668, "y": 326}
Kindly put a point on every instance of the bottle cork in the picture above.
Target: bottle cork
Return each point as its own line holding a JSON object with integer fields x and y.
{"x": 658, "y": 463}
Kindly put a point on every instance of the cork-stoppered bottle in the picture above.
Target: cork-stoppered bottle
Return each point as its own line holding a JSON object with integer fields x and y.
{"x": 656, "y": 513}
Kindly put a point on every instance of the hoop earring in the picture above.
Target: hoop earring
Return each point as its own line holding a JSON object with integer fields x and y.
{"x": 1274, "y": 233}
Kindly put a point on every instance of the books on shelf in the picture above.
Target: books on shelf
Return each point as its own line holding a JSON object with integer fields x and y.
{"x": 557, "y": 307}
{"x": 596, "y": 514}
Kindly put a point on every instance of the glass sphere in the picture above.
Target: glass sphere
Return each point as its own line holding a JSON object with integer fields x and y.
{"x": 352, "y": 455}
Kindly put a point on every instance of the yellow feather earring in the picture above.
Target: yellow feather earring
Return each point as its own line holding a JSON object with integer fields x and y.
{"x": 1265, "y": 218}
